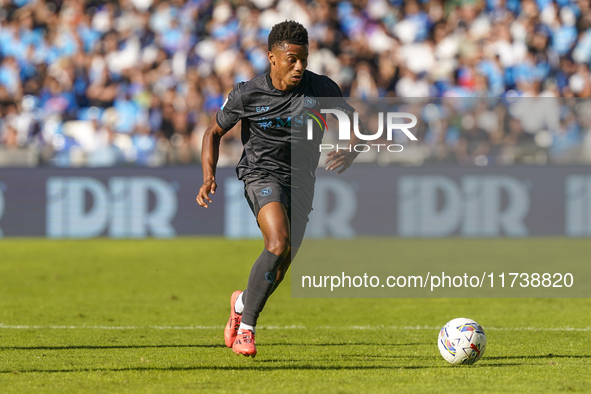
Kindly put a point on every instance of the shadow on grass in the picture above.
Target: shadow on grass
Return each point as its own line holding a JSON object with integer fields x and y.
{"x": 545, "y": 356}
{"x": 253, "y": 368}
{"x": 345, "y": 344}
{"x": 91, "y": 347}
{"x": 103, "y": 347}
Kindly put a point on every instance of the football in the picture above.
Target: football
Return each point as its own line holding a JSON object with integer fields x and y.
{"x": 461, "y": 341}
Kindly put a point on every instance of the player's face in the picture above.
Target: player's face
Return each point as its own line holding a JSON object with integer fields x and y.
{"x": 288, "y": 63}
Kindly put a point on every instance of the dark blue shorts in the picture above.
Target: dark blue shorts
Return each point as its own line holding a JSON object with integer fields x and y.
{"x": 298, "y": 204}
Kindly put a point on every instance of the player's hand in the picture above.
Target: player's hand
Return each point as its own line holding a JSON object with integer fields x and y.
{"x": 203, "y": 197}
{"x": 338, "y": 159}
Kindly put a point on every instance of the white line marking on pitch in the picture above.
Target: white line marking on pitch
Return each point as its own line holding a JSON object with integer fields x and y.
{"x": 298, "y": 327}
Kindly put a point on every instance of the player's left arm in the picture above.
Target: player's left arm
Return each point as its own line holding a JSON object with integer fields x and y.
{"x": 343, "y": 158}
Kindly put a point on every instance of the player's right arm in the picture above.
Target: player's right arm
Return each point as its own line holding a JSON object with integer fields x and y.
{"x": 209, "y": 160}
{"x": 229, "y": 114}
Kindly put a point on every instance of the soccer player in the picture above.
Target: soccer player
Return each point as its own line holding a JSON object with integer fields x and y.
{"x": 266, "y": 105}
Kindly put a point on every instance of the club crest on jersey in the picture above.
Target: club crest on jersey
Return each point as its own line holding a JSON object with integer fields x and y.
{"x": 265, "y": 192}
{"x": 309, "y": 102}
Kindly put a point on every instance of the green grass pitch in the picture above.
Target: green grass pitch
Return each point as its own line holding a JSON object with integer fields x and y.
{"x": 146, "y": 316}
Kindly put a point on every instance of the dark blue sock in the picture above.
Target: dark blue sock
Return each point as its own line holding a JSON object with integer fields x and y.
{"x": 260, "y": 283}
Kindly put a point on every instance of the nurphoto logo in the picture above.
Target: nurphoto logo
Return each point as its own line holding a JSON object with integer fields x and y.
{"x": 393, "y": 120}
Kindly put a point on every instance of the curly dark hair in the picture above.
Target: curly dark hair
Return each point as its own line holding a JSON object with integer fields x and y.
{"x": 289, "y": 32}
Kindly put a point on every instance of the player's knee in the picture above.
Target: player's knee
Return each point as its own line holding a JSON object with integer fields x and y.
{"x": 278, "y": 246}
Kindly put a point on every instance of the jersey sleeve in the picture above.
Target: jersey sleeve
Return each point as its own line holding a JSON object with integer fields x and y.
{"x": 232, "y": 110}
{"x": 336, "y": 99}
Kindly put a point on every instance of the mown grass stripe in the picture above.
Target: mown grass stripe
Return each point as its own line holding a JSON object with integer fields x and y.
{"x": 293, "y": 327}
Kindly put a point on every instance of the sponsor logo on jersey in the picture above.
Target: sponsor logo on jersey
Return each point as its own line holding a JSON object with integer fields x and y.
{"x": 276, "y": 123}
{"x": 265, "y": 124}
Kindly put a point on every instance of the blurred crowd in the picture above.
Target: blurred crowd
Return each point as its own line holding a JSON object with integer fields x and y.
{"x": 100, "y": 83}
{"x": 477, "y": 131}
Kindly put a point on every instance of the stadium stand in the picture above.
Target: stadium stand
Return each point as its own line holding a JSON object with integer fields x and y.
{"x": 135, "y": 82}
